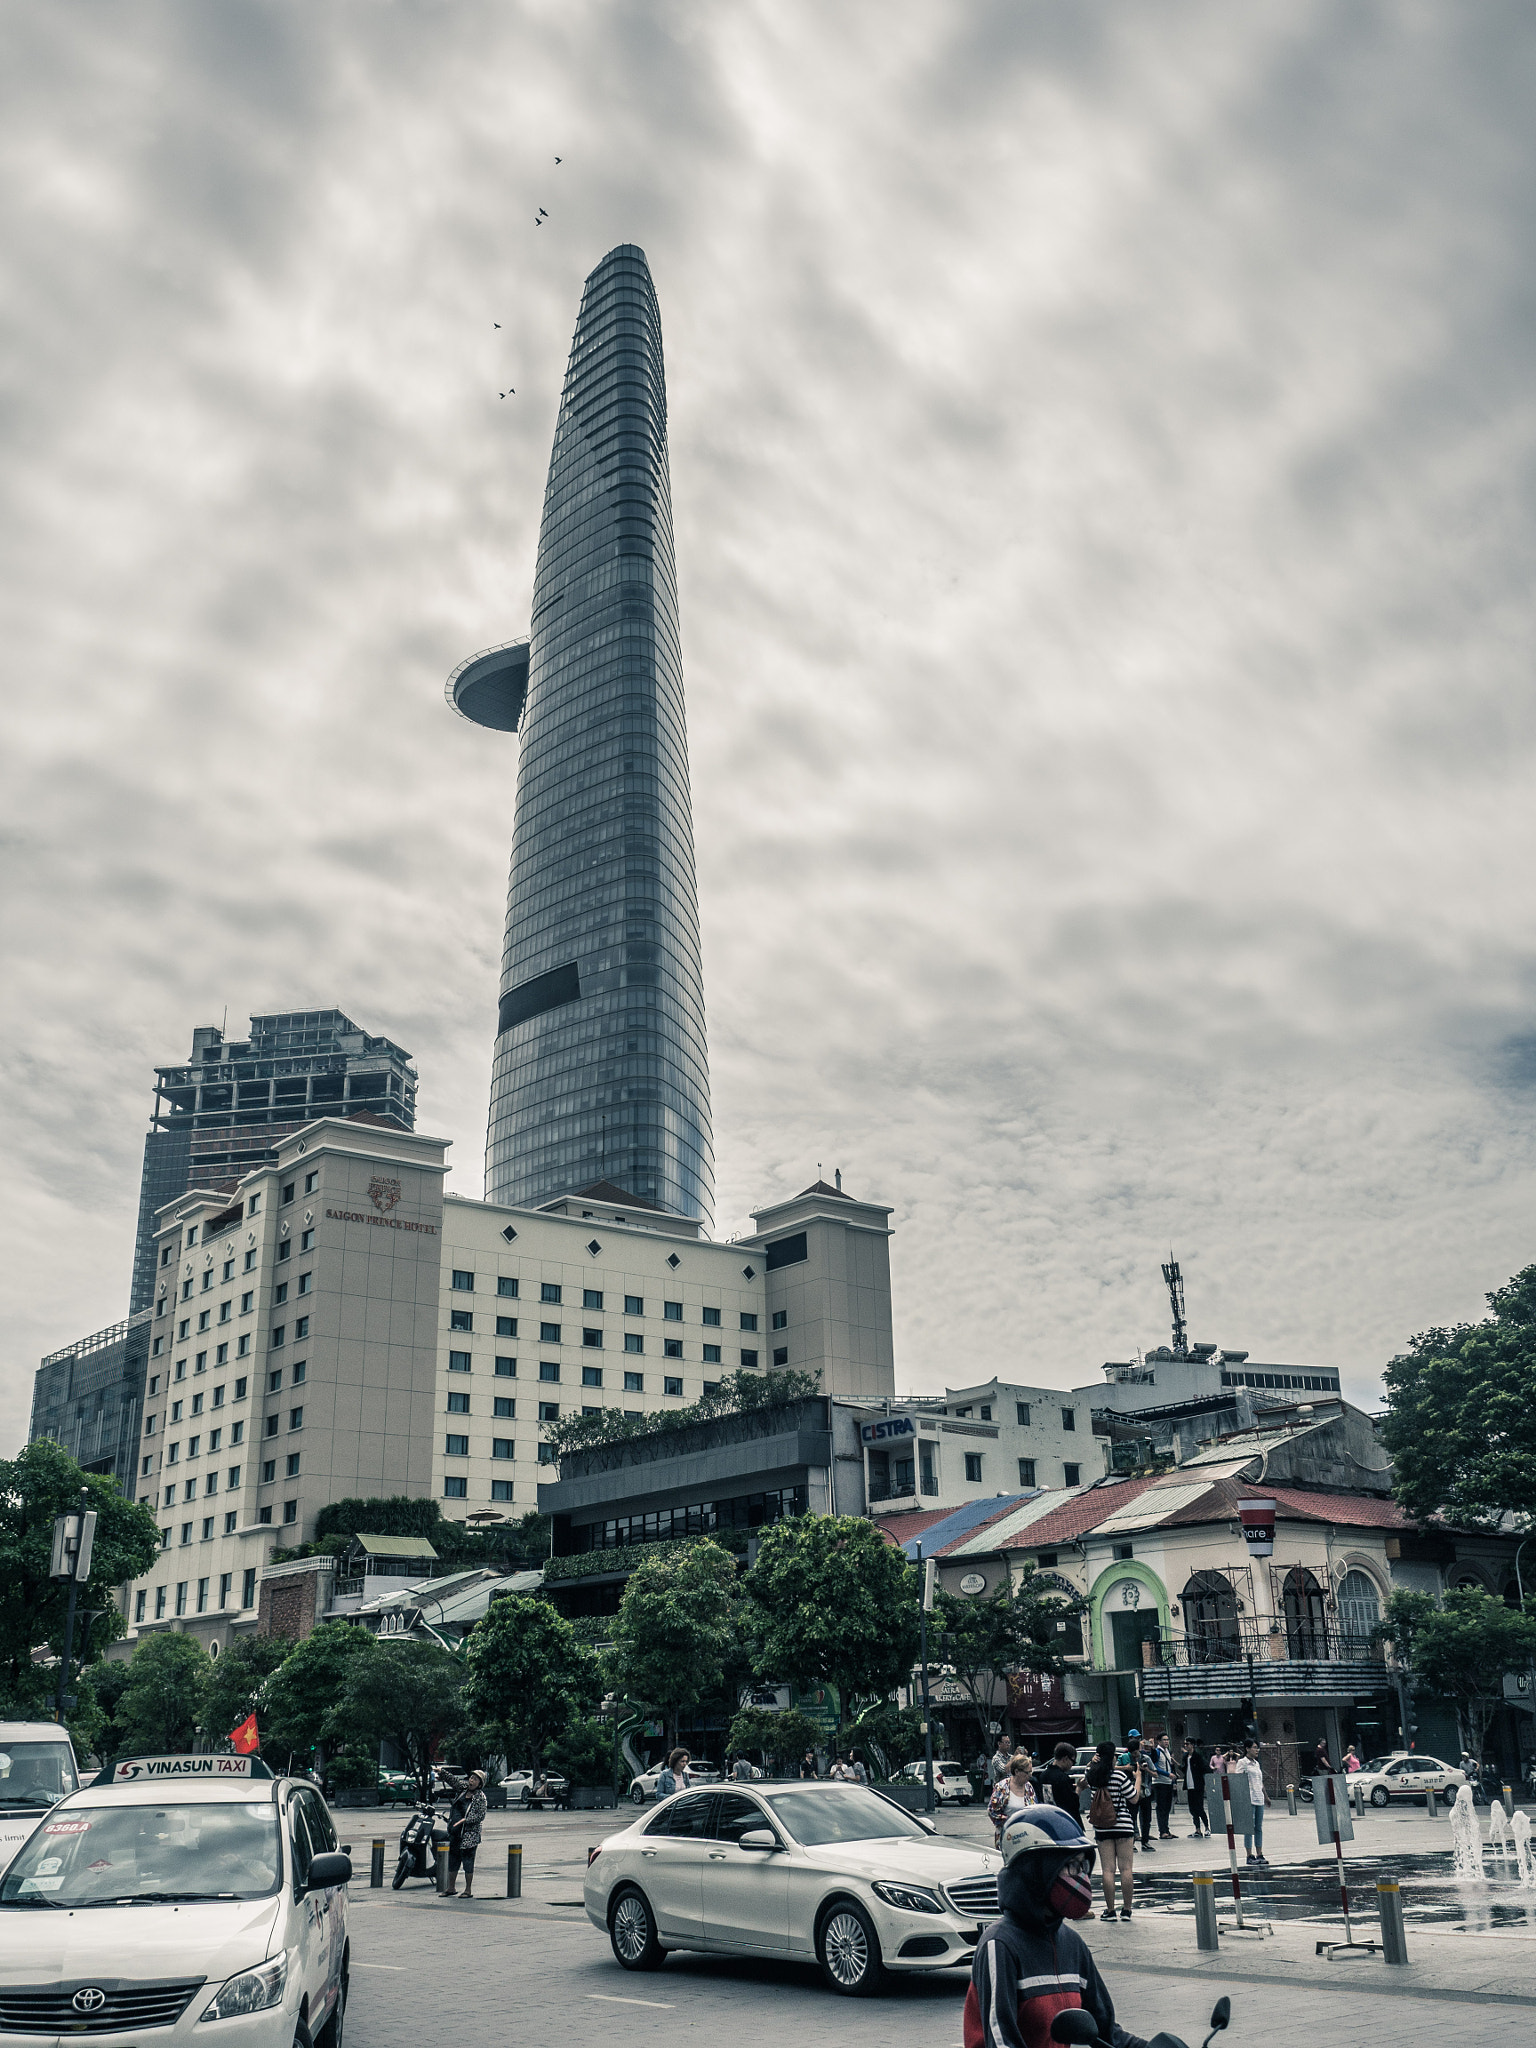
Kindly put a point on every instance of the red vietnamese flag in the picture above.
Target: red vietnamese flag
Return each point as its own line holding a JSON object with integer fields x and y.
{"x": 245, "y": 1738}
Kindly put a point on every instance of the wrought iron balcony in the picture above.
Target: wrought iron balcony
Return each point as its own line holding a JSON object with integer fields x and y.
{"x": 1232, "y": 1662}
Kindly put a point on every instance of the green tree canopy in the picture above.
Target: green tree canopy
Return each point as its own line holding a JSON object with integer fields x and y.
{"x": 1461, "y": 1651}
{"x": 675, "y": 1630}
{"x": 1461, "y": 1414}
{"x": 778, "y": 1740}
{"x": 526, "y": 1672}
{"x": 161, "y": 1706}
{"x": 102, "y": 1686}
{"x": 584, "y": 1753}
{"x": 829, "y": 1601}
{"x": 301, "y": 1698}
{"x": 890, "y": 1736}
{"x": 237, "y": 1682}
{"x": 407, "y": 1693}
{"x": 39, "y": 1484}
{"x": 1028, "y": 1628}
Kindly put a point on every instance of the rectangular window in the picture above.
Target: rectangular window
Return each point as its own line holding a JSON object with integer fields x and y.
{"x": 455, "y": 1487}
{"x": 501, "y": 1447}
{"x": 226, "y": 1586}
{"x": 186, "y": 1534}
{"x": 248, "y": 1586}
{"x": 549, "y": 1333}
{"x": 711, "y": 1387}
{"x": 712, "y": 1318}
{"x": 306, "y": 1240}
{"x": 506, "y": 1368}
{"x": 986, "y": 1411}
{"x": 781, "y": 1354}
{"x": 207, "y": 1279}
{"x": 149, "y": 1424}
{"x": 236, "y": 1434}
{"x": 301, "y": 1329}
{"x": 227, "y": 1272}
{"x": 197, "y": 1404}
{"x": 186, "y": 1290}
{"x": 507, "y": 1286}
{"x": 183, "y": 1330}
{"x": 781, "y": 1318}
{"x": 232, "y": 1477}
{"x": 1124, "y": 1552}
{"x": 172, "y": 1453}
{"x": 592, "y": 1339}
{"x": 243, "y": 1348}
{"x": 272, "y": 1422}
{"x": 634, "y": 1383}
{"x": 290, "y": 1189}
{"x": 177, "y": 1408}
{"x": 506, "y": 1326}
{"x": 711, "y": 1354}
{"x": 748, "y": 1320}
{"x": 634, "y": 1304}
{"x": 146, "y": 1468}
{"x": 293, "y": 1464}
{"x": 457, "y": 1446}
{"x": 633, "y": 1341}
{"x": 311, "y": 1181}
{"x": 279, "y": 1336}
{"x": 671, "y": 1347}
{"x": 458, "y": 1404}
{"x": 160, "y": 1598}
{"x": 255, "y": 1205}
{"x": 503, "y": 1407}
{"x": 221, "y": 1356}
{"x": 208, "y": 1528}
{"x": 138, "y": 1604}
{"x": 295, "y": 1418}
{"x": 1026, "y": 1471}
{"x": 1069, "y": 1418}
{"x": 159, "y": 1346}
{"x": 202, "y": 1596}
{"x": 280, "y": 1294}
{"x": 973, "y": 1467}
{"x": 181, "y": 1593}
{"x": 463, "y": 1283}
{"x": 290, "y": 1511}
{"x": 749, "y": 1361}
{"x": 300, "y": 1372}
{"x": 268, "y": 1474}
{"x": 549, "y": 1290}
{"x": 669, "y": 1385}
{"x": 211, "y": 1485}
{"x": 591, "y": 1375}
{"x": 672, "y": 1311}
{"x": 248, "y": 1263}
{"x": 591, "y": 1297}
{"x": 189, "y": 1492}
{"x": 306, "y": 1282}
{"x": 460, "y": 1319}
{"x": 285, "y": 1250}
{"x": 230, "y": 1521}
{"x": 549, "y": 1411}
{"x": 547, "y": 1454}
{"x": 226, "y": 1310}
{"x": 501, "y": 1489}
{"x": 548, "y": 1369}
{"x": 1021, "y": 1410}
{"x": 239, "y": 1390}
{"x": 458, "y": 1361}
{"x": 1072, "y": 1475}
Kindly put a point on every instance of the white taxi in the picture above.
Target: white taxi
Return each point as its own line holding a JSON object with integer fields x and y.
{"x": 183, "y": 1895}
{"x": 37, "y": 1769}
{"x": 1406, "y": 1774}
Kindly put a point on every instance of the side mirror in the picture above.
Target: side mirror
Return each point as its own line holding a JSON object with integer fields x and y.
{"x": 928, "y": 1825}
{"x": 1075, "y": 2026}
{"x": 326, "y": 1871}
{"x": 1221, "y": 2014}
{"x": 758, "y": 1838}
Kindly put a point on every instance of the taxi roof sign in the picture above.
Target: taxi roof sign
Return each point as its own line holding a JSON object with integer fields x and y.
{"x": 144, "y": 1770}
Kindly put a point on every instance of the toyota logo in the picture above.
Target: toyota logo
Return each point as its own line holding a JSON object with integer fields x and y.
{"x": 90, "y": 1999}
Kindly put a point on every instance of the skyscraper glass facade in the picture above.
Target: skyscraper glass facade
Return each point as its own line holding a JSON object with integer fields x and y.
{"x": 600, "y": 1071}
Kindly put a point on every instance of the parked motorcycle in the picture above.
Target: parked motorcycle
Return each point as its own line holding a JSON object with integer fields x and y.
{"x": 1076, "y": 2028}
{"x": 420, "y": 1839}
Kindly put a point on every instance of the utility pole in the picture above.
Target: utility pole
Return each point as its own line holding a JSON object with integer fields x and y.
{"x": 73, "y": 1538}
{"x": 927, "y": 1608}
{"x": 1174, "y": 1281}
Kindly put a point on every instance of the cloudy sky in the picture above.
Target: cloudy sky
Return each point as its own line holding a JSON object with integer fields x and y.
{"x": 1102, "y": 451}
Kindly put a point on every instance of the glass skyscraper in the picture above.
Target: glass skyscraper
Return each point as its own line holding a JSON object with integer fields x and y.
{"x": 600, "y": 1071}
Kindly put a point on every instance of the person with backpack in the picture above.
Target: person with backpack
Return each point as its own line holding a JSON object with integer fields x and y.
{"x": 1116, "y": 1794}
{"x": 1010, "y": 1795}
{"x": 1055, "y": 1785}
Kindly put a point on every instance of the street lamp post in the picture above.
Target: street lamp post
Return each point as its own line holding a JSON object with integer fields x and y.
{"x": 73, "y": 1536}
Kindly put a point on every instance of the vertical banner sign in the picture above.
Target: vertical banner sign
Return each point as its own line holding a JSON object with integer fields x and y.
{"x": 1237, "y": 1816}
{"x": 1258, "y": 1523}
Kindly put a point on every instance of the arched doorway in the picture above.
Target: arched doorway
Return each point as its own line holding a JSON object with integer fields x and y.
{"x": 1306, "y": 1623}
{"x": 1359, "y": 1613}
{"x": 1210, "y": 1619}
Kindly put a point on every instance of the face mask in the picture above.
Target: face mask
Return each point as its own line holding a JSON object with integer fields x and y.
{"x": 1071, "y": 1895}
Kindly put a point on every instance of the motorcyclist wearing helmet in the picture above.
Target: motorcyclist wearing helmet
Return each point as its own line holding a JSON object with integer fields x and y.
{"x": 1028, "y": 1966}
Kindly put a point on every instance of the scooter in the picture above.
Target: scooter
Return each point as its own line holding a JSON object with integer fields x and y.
{"x": 1076, "y": 2028}
{"x": 420, "y": 1839}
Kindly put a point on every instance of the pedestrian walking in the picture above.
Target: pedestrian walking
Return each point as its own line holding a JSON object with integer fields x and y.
{"x": 1253, "y": 1839}
{"x": 673, "y": 1776}
{"x": 464, "y": 1818}
{"x": 1116, "y": 1793}
{"x": 741, "y": 1770}
{"x": 1194, "y": 1769}
{"x": 1162, "y": 1786}
{"x": 1054, "y": 1785}
{"x": 1000, "y": 1759}
{"x": 1352, "y": 1759}
{"x": 1010, "y": 1795}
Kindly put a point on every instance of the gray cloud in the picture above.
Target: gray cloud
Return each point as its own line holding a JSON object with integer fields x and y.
{"x": 1102, "y": 453}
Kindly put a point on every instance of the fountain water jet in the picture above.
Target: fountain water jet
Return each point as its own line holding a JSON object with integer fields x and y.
{"x": 1466, "y": 1837}
{"x": 1520, "y": 1830}
{"x": 1498, "y": 1833}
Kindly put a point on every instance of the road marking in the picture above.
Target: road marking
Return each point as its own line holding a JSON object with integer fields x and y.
{"x": 381, "y": 1966}
{"x": 656, "y": 2004}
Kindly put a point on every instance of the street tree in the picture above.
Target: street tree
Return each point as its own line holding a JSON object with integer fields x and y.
{"x": 526, "y": 1672}
{"x": 1026, "y": 1628}
{"x": 893, "y": 1736}
{"x": 675, "y": 1630}
{"x": 1461, "y": 1414}
{"x": 407, "y": 1693}
{"x": 1461, "y": 1651}
{"x": 300, "y": 1699}
{"x": 237, "y": 1684}
{"x": 161, "y": 1707}
{"x": 37, "y": 1485}
{"x": 779, "y": 1740}
{"x": 830, "y": 1602}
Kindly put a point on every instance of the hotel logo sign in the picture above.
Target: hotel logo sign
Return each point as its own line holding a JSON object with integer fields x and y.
{"x": 383, "y": 1194}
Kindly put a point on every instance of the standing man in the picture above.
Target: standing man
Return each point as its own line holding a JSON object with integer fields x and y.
{"x": 1162, "y": 1786}
{"x": 1136, "y": 1761}
{"x": 1001, "y": 1758}
{"x": 1253, "y": 1843}
{"x": 1194, "y": 1769}
{"x": 1054, "y": 1784}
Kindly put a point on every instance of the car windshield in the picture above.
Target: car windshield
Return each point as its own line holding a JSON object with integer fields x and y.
{"x": 1378, "y": 1763}
{"x": 110, "y": 1855}
{"x": 35, "y": 1773}
{"x": 841, "y": 1813}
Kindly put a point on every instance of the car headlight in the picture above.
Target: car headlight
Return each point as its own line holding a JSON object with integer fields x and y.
{"x": 907, "y": 1898}
{"x": 252, "y": 1991}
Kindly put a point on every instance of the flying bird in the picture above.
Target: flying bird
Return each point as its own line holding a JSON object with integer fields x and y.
{"x": 559, "y": 159}
{"x": 510, "y": 392}
{"x": 541, "y": 210}
{"x": 495, "y": 323}
{"x": 537, "y": 222}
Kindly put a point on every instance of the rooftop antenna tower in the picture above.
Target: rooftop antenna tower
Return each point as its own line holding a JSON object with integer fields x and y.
{"x": 1174, "y": 1281}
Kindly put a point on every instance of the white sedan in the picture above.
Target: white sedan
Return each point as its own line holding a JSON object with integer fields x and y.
{"x": 518, "y": 1786}
{"x": 1407, "y": 1775}
{"x": 951, "y": 1781}
{"x": 833, "y": 1874}
{"x": 644, "y": 1786}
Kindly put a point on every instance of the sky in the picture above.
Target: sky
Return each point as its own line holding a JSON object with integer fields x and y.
{"x": 1102, "y": 447}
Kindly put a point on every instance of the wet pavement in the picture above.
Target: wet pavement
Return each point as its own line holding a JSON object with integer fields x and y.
{"x": 1310, "y": 1891}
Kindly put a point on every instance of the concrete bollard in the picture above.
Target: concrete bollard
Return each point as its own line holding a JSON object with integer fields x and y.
{"x": 376, "y": 1868}
{"x": 1206, "y": 1936}
{"x": 514, "y": 1870}
{"x": 1394, "y": 1936}
{"x": 1290, "y": 1799}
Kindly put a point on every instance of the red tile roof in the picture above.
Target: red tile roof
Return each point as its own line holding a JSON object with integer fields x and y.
{"x": 1075, "y": 1517}
{"x": 1358, "y": 1509}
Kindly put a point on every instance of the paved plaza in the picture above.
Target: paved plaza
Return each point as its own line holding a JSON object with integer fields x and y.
{"x": 534, "y": 1970}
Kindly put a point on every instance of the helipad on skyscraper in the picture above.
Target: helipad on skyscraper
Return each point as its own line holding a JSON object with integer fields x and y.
{"x": 600, "y": 1070}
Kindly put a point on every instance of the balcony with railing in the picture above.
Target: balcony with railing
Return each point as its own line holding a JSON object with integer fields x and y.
{"x": 1228, "y": 1660}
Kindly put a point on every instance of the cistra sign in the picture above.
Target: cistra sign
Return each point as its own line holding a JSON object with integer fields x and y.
{"x": 1258, "y": 1522}
{"x": 884, "y": 1432}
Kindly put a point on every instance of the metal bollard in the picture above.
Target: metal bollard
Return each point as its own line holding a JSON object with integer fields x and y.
{"x": 376, "y": 1868}
{"x": 514, "y": 1870}
{"x": 1205, "y": 1914}
{"x": 1394, "y": 1937}
{"x": 1290, "y": 1799}
{"x": 442, "y": 1869}
{"x": 1432, "y": 1805}
{"x": 1509, "y": 1800}
{"x": 1357, "y": 1800}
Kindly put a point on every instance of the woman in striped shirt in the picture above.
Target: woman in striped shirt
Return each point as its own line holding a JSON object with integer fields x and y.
{"x": 1122, "y": 1790}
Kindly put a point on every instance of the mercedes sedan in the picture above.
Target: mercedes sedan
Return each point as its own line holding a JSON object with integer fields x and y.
{"x": 837, "y": 1875}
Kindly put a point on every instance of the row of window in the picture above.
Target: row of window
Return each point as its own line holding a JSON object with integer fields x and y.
{"x": 1071, "y": 1475}
{"x": 231, "y": 1520}
{"x": 745, "y": 1511}
{"x": 1022, "y": 1412}
{"x": 456, "y": 1487}
{"x": 463, "y": 1282}
{"x": 226, "y": 1588}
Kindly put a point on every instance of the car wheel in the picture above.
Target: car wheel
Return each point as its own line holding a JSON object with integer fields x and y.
{"x": 1380, "y": 1796}
{"x": 632, "y": 1931}
{"x": 301, "y": 2035}
{"x": 849, "y": 1951}
{"x": 1448, "y": 1796}
{"x": 638, "y": 1795}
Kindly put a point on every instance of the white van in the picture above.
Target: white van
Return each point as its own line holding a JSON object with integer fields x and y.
{"x": 37, "y": 1769}
{"x": 217, "y": 1894}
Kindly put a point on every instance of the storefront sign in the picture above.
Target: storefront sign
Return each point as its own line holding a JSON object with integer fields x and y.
{"x": 1258, "y": 1522}
{"x": 885, "y": 1431}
